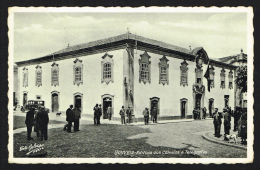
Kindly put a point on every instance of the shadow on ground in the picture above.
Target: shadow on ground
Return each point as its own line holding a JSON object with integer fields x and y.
{"x": 100, "y": 141}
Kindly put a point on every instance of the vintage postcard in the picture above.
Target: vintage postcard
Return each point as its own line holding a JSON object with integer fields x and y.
{"x": 131, "y": 85}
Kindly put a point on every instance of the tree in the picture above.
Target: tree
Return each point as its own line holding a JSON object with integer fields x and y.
{"x": 241, "y": 79}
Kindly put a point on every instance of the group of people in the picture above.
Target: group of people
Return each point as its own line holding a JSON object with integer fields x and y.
{"x": 72, "y": 115}
{"x": 153, "y": 115}
{"x": 39, "y": 119}
{"x": 124, "y": 113}
{"x": 97, "y": 114}
{"x": 196, "y": 113}
{"x": 217, "y": 121}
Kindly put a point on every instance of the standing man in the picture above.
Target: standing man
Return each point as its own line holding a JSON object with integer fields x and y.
{"x": 77, "y": 112}
{"x": 95, "y": 114}
{"x": 43, "y": 120}
{"x": 109, "y": 112}
{"x": 154, "y": 115}
{"x": 29, "y": 121}
{"x": 70, "y": 117}
{"x": 122, "y": 114}
{"x": 129, "y": 113}
{"x": 217, "y": 122}
{"x": 146, "y": 116}
{"x": 227, "y": 119}
{"x": 204, "y": 110}
{"x": 99, "y": 114}
{"x": 195, "y": 114}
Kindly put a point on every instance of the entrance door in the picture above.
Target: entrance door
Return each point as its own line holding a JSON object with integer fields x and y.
{"x": 183, "y": 111}
{"x": 107, "y": 101}
{"x": 210, "y": 107}
{"x": 78, "y": 102}
{"x": 55, "y": 102}
{"x": 24, "y": 99}
{"x": 154, "y": 103}
{"x": 198, "y": 103}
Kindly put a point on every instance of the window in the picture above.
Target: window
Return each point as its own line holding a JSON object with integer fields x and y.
{"x": 54, "y": 74}
{"x": 78, "y": 73}
{"x": 38, "y": 96}
{"x": 38, "y": 76}
{"x": 199, "y": 72}
{"x": 211, "y": 76}
{"x": 184, "y": 73}
{"x": 107, "y": 65}
{"x": 107, "y": 70}
{"x": 145, "y": 68}
{"x": 222, "y": 78}
{"x": 230, "y": 79}
{"x": 25, "y": 77}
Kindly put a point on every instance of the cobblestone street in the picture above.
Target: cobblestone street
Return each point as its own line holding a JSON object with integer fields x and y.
{"x": 180, "y": 140}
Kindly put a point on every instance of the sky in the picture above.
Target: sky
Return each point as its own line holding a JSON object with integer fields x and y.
{"x": 37, "y": 34}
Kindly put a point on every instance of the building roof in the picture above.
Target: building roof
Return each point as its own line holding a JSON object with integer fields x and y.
{"x": 116, "y": 42}
{"x": 233, "y": 58}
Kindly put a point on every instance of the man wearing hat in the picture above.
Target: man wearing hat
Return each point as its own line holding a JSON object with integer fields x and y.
{"x": 43, "y": 120}
{"x": 217, "y": 122}
{"x": 227, "y": 119}
{"x": 146, "y": 116}
{"x": 70, "y": 117}
{"x": 96, "y": 112}
{"x": 122, "y": 114}
{"x": 29, "y": 121}
{"x": 154, "y": 115}
{"x": 129, "y": 113}
{"x": 99, "y": 114}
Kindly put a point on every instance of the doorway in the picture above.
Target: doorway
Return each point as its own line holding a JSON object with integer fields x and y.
{"x": 55, "y": 102}
{"x": 78, "y": 102}
{"x": 24, "y": 99}
{"x": 198, "y": 103}
{"x": 226, "y": 98}
{"x": 155, "y": 102}
{"x": 107, "y": 102}
{"x": 211, "y": 106}
{"x": 183, "y": 108}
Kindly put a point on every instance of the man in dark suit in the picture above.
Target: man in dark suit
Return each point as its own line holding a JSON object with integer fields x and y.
{"x": 43, "y": 120}
{"x": 227, "y": 119}
{"x": 95, "y": 114}
{"x": 70, "y": 117}
{"x": 29, "y": 121}
{"x": 99, "y": 114}
{"x": 154, "y": 115}
{"x": 77, "y": 113}
{"x": 217, "y": 122}
{"x": 122, "y": 114}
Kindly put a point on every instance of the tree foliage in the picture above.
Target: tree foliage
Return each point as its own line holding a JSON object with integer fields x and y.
{"x": 241, "y": 79}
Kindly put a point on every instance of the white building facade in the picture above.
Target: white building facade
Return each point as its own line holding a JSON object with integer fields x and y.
{"x": 130, "y": 71}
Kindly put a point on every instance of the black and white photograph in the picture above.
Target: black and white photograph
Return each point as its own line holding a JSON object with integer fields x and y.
{"x": 130, "y": 85}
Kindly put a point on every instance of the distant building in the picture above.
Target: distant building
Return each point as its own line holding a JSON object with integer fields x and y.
{"x": 237, "y": 60}
{"x": 128, "y": 70}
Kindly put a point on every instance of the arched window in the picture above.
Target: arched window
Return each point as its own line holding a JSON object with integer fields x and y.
{"x": 144, "y": 68}
{"x": 78, "y": 72}
{"x": 107, "y": 68}
{"x": 54, "y": 74}
{"x": 38, "y": 75}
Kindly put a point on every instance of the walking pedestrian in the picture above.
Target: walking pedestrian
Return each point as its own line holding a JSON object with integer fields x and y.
{"x": 146, "y": 116}
{"x": 70, "y": 116}
{"x": 77, "y": 113}
{"x": 129, "y": 114}
{"x": 154, "y": 115}
{"x": 122, "y": 114}
{"x": 29, "y": 121}
{"x": 43, "y": 120}
{"x": 109, "y": 112}
{"x": 227, "y": 119}
{"x": 217, "y": 122}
